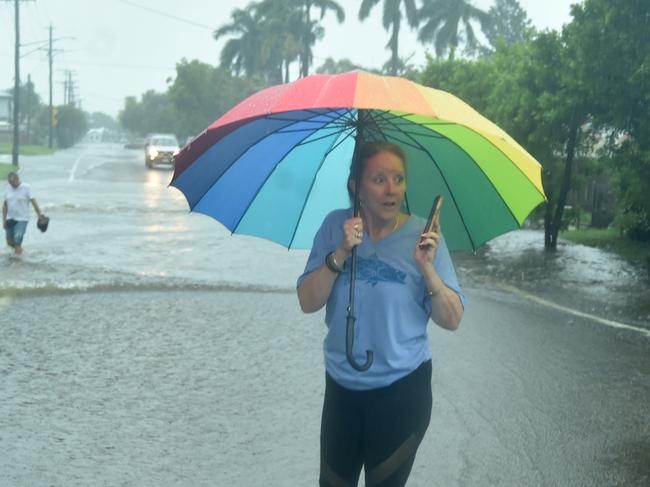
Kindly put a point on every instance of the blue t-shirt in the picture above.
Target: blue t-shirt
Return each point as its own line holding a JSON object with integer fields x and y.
{"x": 391, "y": 305}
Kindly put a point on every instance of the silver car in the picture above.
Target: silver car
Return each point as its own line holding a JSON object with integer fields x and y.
{"x": 160, "y": 149}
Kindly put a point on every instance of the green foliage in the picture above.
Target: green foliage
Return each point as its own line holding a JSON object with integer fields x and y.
{"x": 99, "y": 120}
{"x": 25, "y": 150}
{"x": 331, "y": 66}
{"x": 268, "y": 36}
{"x": 29, "y": 102}
{"x": 151, "y": 114}
{"x": 201, "y": 93}
{"x": 612, "y": 52}
{"x": 448, "y": 25}
{"x": 471, "y": 81}
{"x": 5, "y": 169}
{"x": 633, "y": 180}
{"x": 71, "y": 125}
{"x": 509, "y": 24}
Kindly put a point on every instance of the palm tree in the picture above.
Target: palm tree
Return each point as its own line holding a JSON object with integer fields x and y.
{"x": 272, "y": 34}
{"x": 445, "y": 22}
{"x": 284, "y": 30}
{"x": 392, "y": 18}
{"x": 243, "y": 54}
{"x": 312, "y": 31}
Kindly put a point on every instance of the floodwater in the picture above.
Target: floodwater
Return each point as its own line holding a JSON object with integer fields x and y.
{"x": 579, "y": 277}
{"x": 143, "y": 345}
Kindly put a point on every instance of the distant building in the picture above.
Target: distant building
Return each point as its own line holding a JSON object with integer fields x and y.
{"x": 96, "y": 135}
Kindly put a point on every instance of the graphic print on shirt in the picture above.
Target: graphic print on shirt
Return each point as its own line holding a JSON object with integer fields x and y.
{"x": 373, "y": 270}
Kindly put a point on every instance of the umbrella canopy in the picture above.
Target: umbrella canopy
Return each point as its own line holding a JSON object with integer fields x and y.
{"x": 277, "y": 163}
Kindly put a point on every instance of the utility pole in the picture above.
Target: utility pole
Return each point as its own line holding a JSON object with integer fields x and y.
{"x": 16, "y": 97}
{"x": 51, "y": 123}
{"x": 14, "y": 152}
{"x": 50, "y": 55}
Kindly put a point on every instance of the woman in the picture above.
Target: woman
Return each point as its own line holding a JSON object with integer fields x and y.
{"x": 377, "y": 418}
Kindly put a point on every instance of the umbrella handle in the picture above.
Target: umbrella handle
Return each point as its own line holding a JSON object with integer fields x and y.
{"x": 349, "y": 331}
{"x": 349, "y": 343}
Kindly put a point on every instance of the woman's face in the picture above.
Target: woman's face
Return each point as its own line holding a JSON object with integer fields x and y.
{"x": 383, "y": 186}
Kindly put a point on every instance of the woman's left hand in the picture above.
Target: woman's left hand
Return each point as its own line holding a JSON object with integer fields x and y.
{"x": 425, "y": 249}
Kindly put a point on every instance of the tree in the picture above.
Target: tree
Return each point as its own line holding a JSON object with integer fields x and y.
{"x": 243, "y": 54}
{"x": 71, "y": 125}
{"x": 282, "y": 29}
{"x": 311, "y": 31}
{"x": 152, "y": 114}
{"x": 29, "y": 106}
{"x": 611, "y": 44}
{"x": 331, "y": 66}
{"x": 538, "y": 100}
{"x": 446, "y": 22}
{"x": 99, "y": 120}
{"x": 392, "y": 19}
{"x": 472, "y": 81}
{"x": 509, "y": 23}
{"x": 201, "y": 93}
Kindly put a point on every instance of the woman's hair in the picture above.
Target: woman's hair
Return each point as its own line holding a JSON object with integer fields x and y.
{"x": 369, "y": 150}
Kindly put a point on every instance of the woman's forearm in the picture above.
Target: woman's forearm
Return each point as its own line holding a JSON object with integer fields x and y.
{"x": 446, "y": 308}
{"x": 315, "y": 290}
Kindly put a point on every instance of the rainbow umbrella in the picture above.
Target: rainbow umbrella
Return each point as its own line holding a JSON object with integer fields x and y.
{"x": 277, "y": 163}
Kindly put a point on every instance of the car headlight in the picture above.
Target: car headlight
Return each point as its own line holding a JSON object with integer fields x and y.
{"x": 153, "y": 152}
{"x": 176, "y": 151}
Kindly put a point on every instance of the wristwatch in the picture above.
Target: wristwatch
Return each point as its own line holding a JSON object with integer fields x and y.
{"x": 332, "y": 265}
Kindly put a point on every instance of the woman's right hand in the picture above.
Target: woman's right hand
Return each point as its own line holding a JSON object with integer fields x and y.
{"x": 352, "y": 234}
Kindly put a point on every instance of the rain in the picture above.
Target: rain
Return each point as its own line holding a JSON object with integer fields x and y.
{"x": 142, "y": 343}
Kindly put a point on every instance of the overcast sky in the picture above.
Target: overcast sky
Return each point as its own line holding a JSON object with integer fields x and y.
{"x": 117, "y": 48}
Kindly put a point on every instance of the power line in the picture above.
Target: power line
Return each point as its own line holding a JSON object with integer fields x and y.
{"x": 170, "y": 16}
{"x": 127, "y": 66}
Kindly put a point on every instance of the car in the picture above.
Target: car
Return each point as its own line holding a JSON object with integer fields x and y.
{"x": 160, "y": 149}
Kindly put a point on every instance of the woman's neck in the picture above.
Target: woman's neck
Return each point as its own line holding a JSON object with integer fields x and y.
{"x": 378, "y": 229}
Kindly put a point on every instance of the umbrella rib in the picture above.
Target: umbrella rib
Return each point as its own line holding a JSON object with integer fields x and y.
{"x": 400, "y": 121}
{"x": 336, "y": 125}
{"x": 261, "y": 185}
{"x": 462, "y": 219}
{"x": 325, "y": 114}
{"x": 382, "y": 133}
{"x": 500, "y": 151}
{"x": 237, "y": 158}
{"x": 332, "y": 147}
{"x": 426, "y": 124}
{"x": 339, "y": 130}
{"x": 485, "y": 175}
{"x": 296, "y": 131}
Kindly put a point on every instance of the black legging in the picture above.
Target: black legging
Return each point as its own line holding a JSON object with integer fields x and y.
{"x": 379, "y": 429}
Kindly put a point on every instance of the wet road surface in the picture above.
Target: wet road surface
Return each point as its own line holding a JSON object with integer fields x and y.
{"x": 142, "y": 345}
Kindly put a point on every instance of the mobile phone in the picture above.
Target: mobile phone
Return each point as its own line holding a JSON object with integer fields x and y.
{"x": 433, "y": 214}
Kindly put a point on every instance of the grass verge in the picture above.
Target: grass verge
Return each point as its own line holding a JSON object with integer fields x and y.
{"x": 4, "y": 170}
{"x": 611, "y": 240}
{"x": 27, "y": 150}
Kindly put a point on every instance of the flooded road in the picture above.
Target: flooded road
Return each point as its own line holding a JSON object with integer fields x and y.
{"x": 143, "y": 345}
